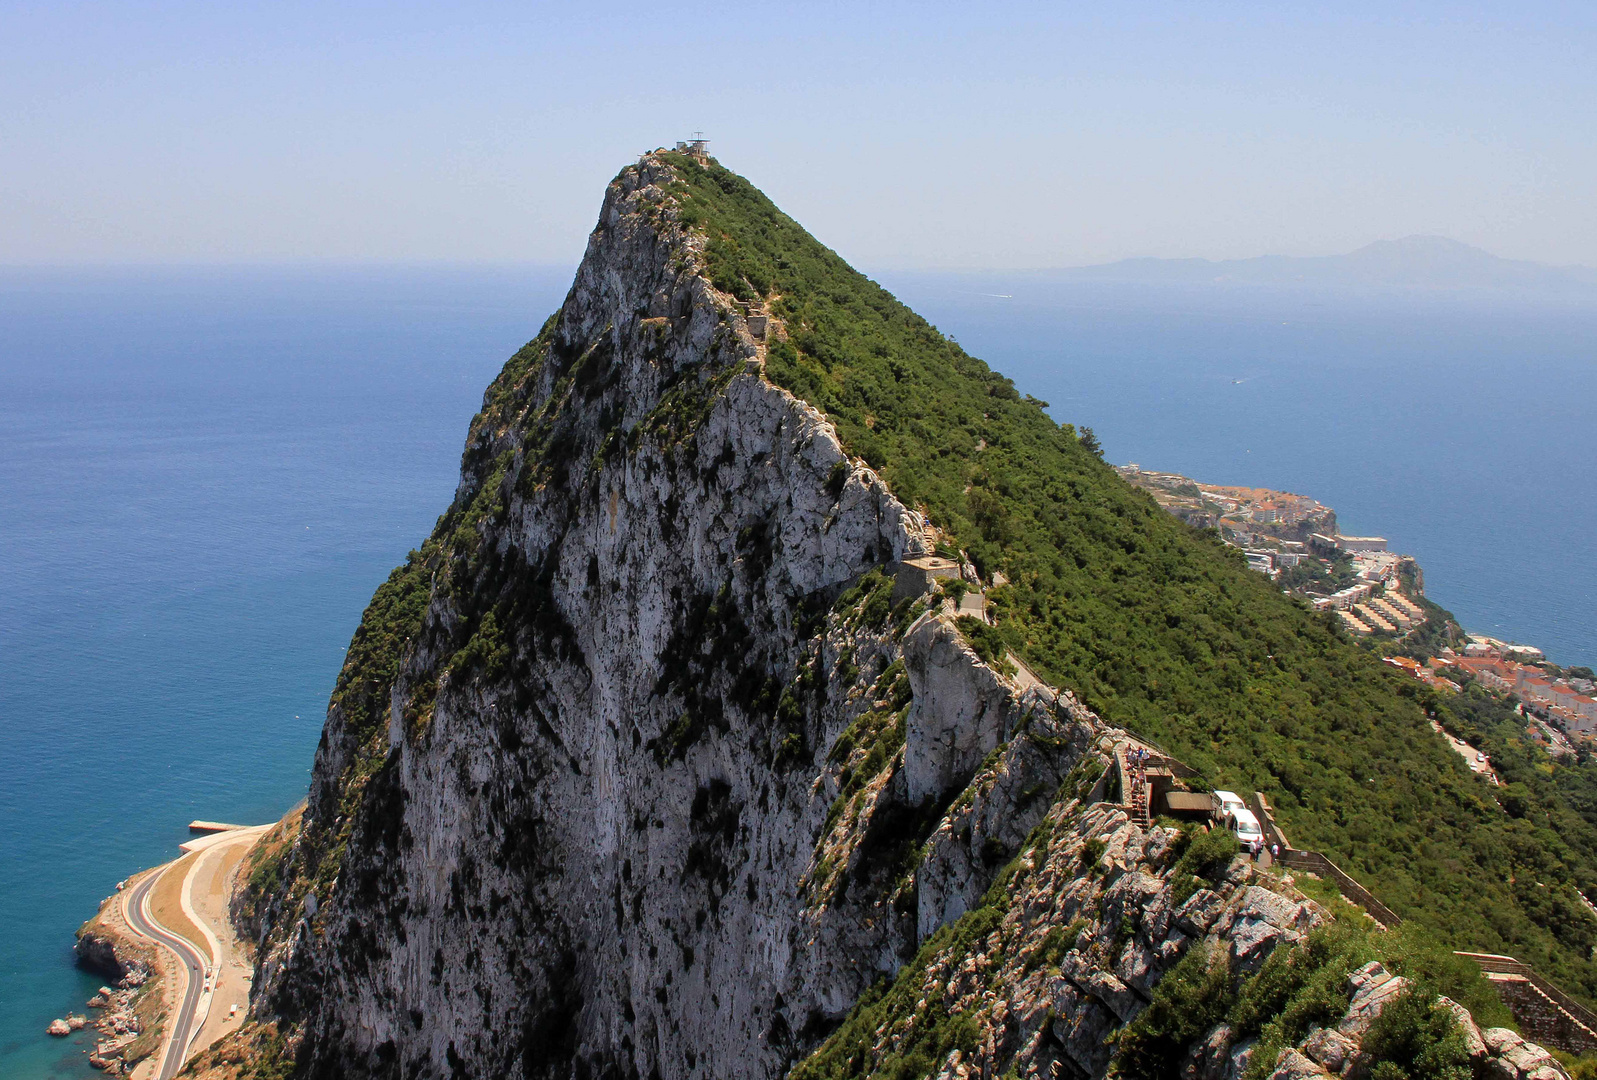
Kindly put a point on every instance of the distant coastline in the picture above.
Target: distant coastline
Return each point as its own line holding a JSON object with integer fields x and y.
{"x": 1379, "y": 596}
{"x": 1412, "y": 263}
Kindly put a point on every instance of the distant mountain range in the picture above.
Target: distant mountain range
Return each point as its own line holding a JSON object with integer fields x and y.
{"x": 1414, "y": 262}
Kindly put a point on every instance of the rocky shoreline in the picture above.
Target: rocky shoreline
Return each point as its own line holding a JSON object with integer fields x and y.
{"x": 126, "y": 1023}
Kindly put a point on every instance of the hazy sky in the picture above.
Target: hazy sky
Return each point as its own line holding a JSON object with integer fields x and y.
{"x": 960, "y": 135}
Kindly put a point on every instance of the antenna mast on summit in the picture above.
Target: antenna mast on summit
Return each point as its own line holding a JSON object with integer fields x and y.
{"x": 695, "y": 146}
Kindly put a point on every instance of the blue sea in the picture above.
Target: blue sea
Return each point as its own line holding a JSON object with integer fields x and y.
{"x": 204, "y": 473}
{"x": 1461, "y": 427}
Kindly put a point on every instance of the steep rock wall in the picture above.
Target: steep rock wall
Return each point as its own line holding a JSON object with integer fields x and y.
{"x": 641, "y": 805}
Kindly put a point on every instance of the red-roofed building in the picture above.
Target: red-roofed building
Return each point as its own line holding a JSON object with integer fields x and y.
{"x": 1564, "y": 696}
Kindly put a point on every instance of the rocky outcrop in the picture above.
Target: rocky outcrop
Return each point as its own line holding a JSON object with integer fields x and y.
{"x": 1507, "y": 1056}
{"x": 1373, "y": 988}
{"x": 1043, "y": 978}
{"x": 1089, "y": 922}
{"x": 659, "y": 755}
{"x": 667, "y": 777}
{"x": 124, "y": 1012}
{"x": 106, "y": 952}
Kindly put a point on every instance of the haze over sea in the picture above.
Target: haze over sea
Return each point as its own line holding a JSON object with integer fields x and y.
{"x": 205, "y": 473}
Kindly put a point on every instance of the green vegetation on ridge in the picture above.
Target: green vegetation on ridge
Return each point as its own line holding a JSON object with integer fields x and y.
{"x": 1158, "y": 627}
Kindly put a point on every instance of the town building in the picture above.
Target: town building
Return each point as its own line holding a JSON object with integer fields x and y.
{"x": 1372, "y": 618}
{"x": 1353, "y": 623}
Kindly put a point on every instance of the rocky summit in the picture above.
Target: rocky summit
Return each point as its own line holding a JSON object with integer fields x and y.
{"x": 722, "y": 729}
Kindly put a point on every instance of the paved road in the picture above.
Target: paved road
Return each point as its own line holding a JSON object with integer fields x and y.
{"x": 181, "y": 1027}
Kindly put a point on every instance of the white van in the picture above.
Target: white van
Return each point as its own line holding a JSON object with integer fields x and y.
{"x": 1245, "y": 827}
{"x": 1227, "y": 801}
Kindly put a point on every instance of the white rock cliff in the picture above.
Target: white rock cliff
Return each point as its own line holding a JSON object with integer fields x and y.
{"x": 617, "y": 847}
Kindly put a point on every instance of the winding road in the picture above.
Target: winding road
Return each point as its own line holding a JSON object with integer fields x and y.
{"x": 181, "y": 1029}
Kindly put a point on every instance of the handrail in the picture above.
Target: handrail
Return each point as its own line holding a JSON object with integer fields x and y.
{"x": 1176, "y": 767}
{"x": 1507, "y": 965}
{"x": 1316, "y": 862}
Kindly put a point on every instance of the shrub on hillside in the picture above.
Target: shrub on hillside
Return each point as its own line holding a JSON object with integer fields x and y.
{"x": 1415, "y": 1038}
{"x": 1193, "y": 997}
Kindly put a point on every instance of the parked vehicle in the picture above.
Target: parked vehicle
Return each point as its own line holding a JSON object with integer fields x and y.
{"x": 1245, "y": 827}
{"x": 1227, "y": 801}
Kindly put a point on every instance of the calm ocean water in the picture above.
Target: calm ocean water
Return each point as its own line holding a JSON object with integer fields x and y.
{"x": 1463, "y": 429}
{"x": 204, "y": 475}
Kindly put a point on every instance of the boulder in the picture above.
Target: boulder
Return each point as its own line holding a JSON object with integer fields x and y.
{"x": 58, "y": 1028}
{"x": 1330, "y": 1048}
{"x": 1082, "y": 1026}
{"x": 1371, "y": 974}
{"x": 1372, "y": 987}
{"x": 1137, "y": 966}
{"x": 1173, "y": 947}
{"x": 1241, "y": 1057}
{"x": 1198, "y": 914}
{"x": 96, "y": 950}
{"x": 1213, "y": 1054}
{"x": 1513, "y": 1057}
{"x": 1292, "y": 1065}
{"x": 77, "y": 1021}
{"x": 1121, "y": 1000}
{"x": 1252, "y": 941}
{"x": 1499, "y": 1039}
{"x": 1466, "y": 1025}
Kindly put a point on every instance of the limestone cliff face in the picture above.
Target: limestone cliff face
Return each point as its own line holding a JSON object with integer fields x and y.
{"x": 664, "y": 749}
{"x": 650, "y": 800}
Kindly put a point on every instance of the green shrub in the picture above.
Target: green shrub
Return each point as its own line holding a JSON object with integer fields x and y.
{"x": 1193, "y": 997}
{"x": 1414, "y": 1038}
{"x": 988, "y": 644}
{"x": 1201, "y": 855}
{"x": 1295, "y": 989}
{"x": 1055, "y": 944}
{"x": 1415, "y": 954}
{"x": 1579, "y": 1067}
{"x": 1091, "y": 852}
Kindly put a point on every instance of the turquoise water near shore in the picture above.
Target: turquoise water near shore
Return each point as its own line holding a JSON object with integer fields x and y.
{"x": 205, "y": 473}
{"x": 203, "y": 476}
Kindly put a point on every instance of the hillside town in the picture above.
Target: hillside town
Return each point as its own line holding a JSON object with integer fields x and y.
{"x": 1295, "y": 541}
{"x": 1378, "y": 594}
{"x": 1564, "y": 700}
